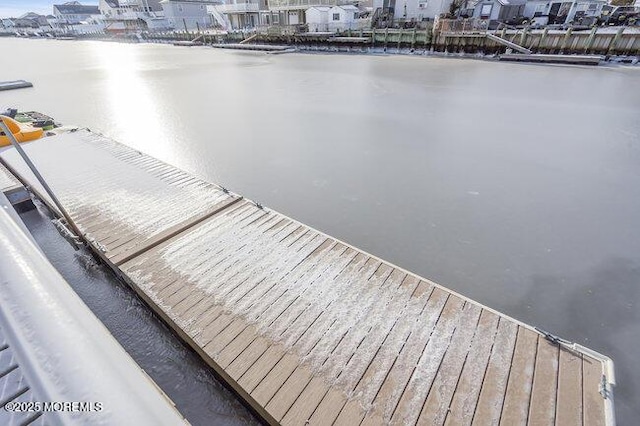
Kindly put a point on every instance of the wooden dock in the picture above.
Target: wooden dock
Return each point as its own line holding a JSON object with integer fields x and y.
{"x": 306, "y": 328}
{"x": 553, "y": 59}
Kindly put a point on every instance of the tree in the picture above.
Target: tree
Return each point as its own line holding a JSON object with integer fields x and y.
{"x": 454, "y": 8}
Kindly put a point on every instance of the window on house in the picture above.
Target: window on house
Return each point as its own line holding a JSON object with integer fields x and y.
{"x": 593, "y": 6}
{"x": 179, "y": 8}
{"x": 336, "y": 16}
{"x": 422, "y": 5}
{"x": 202, "y": 7}
{"x": 276, "y": 19}
{"x": 355, "y": 15}
{"x": 486, "y": 10}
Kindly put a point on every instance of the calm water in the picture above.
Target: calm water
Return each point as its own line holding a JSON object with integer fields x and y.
{"x": 517, "y": 185}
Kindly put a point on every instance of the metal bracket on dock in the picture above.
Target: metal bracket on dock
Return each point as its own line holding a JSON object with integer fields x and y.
{"x": 66, "y": 233}
{"x": 557, "y": 340}
{"x": 552, "y": 337}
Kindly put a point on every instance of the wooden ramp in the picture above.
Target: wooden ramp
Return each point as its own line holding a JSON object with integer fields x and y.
{"x": 306, "y": 328}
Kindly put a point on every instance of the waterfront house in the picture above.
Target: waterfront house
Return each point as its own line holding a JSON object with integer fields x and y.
{"x": 499, "y": 10}
{"x": 74, "y": 12}
{"x": 7, "y": 23}
{"x": 293, "y": 12}
{"x": 336, "y": 18}
{"x": 409, "y": 11}
{"x": 318, "y": 18}
{"x": 113, "y": 8}
{"x": 582, "y": 12}
{"x": 241, "y": 14}
{"x": 188, "y": 14}
{"x": 126, "y": 16}
{"x": 343, "y": 17}
{"x": 25, "y": 23}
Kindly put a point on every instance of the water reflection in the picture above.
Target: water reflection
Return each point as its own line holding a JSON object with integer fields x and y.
{"x": 134, "y": 107}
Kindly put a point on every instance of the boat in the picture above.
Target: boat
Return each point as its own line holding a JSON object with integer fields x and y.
{"x": 23, "y": 132}
{"x": 35, "y": 119}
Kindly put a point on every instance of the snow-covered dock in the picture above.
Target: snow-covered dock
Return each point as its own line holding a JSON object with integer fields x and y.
{"x": 308, "y": 329}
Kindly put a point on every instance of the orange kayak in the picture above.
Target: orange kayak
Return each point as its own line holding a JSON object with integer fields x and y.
{"x": 21, "y": 131}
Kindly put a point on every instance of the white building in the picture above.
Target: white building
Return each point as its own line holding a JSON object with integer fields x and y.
{"x": 113, "y": 8}
{"x": 412, "y": 10}
{"x": 293, "y": 12}
{"x": 240, "y": 14}
{"x": 584, "y": 12}
{"x": 124, "y": 16}
{"x": 188, "y": 14}
{"x": 318, "y": 18}
{"x": 499, "y": 10}
{"x": 336, "y": 18}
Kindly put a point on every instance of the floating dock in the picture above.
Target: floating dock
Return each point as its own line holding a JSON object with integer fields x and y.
{"x": 255, "y": 47}
{"x": 306, "y": 328}
{"x": 15, "y": 84}
{"x": 553, "y": 59}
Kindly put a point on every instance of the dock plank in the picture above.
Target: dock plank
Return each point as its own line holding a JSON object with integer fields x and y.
{"x": 516, "y": 401}
{"x": 594, "y": 409}
{"x": 545, "y": 384}
{"x": 465, "y": 397}
{"x": 491, "y": 400}
{"x": 569, "y": 402}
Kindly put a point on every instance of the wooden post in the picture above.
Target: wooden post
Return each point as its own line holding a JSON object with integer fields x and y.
{"x": 565, "y": 40}
{"x": 399, "y": 38}
{"x": 591, "y": 39}
{"x": 413, "y": 38}
{"x": 542, "y": 38}
{"x": 523, "y": 37}
{"x": 184, "y": 21}
{"x": 373, "y": 37}
{"x": 198, "y": 27}
{"x": 629, "y": 48}
{"x": 614, "y": 40}
{"x": 386, "y": 36}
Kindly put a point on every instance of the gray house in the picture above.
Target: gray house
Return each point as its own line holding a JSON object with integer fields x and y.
{"x": 499, "y": 10}
{"x": 189, "y": 13}
{"x": 543, "y": 12}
